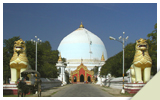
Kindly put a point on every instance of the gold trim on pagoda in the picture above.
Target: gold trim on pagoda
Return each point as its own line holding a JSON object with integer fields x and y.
{"x": 81, "y": 26}
{"x": 60, "y": 59}
{"x": 102, "y": 58}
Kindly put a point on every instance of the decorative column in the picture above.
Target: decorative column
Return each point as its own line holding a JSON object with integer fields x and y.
{"x": 98, "y": 76}
{"x": 102, "y": 62}
{"x": 61, "y": 67}
{"x": 109, "y": 78}
{"x": 129, "y": 75}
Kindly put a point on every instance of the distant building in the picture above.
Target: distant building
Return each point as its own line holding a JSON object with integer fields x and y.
{"x": 82, "y": 49}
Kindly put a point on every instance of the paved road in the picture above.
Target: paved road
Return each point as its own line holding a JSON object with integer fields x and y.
{"x": 81, "y": 90}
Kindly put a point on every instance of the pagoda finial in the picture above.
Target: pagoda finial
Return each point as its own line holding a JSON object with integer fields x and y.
{"x": 102, "y": 58}
{"x": 81, "y": 60}
{"x": 60, "y": 59}
{"x": 81, "y": 26}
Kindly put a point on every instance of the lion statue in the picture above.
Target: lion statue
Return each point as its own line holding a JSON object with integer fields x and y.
{"x": 19, "y": 61}
{"x": 141, "y": 68}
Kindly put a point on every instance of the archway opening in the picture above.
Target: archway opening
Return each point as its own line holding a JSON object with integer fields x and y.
{"x": 75, "y": 79}
{"x": 89, "y": 79}
{"x": 81, "y": 78}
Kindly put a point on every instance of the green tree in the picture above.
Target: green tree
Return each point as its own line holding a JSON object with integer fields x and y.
{"x": 153, "y": 35}
{"x": 6, "y": 67}
{"x": 9, "y": 44}
{"x": 114, "y": 64}
{"x": 152, "y": 42}
{"x": 46, "y": 58}
{"x": 129, "y": 55}
{"x": 30, "y": 51}
{"x": 95, "y": 70}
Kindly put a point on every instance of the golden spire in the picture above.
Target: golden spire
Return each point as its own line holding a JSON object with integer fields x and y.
{"x": 60, "y": 59}
{"x": 81, "y": 26}
{"x": 102, "y": 58}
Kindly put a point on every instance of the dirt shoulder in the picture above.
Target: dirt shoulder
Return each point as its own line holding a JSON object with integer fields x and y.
{"x": 114, "y": 92}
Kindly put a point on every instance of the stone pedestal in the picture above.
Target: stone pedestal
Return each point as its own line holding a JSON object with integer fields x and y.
{"x": 133, "y": 88}
{"x": 62, "y": 76}
{"x": 13, "y": 82}
{"x": 9, "y": 89}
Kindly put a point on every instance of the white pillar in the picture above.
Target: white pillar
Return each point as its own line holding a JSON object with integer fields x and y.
{"x": 98, "y": 76}
{"x": 129, "y": 76}
{"x": 62, "y": 76}
{"x": 13, "y": 76}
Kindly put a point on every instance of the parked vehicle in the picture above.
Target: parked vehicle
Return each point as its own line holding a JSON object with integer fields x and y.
{"x": 30, "y": 82}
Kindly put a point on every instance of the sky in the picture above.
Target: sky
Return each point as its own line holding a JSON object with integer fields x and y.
{"x": 53, "y": 21}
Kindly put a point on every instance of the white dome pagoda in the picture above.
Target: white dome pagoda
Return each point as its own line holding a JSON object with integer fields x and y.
{"x": 82, "y": 44}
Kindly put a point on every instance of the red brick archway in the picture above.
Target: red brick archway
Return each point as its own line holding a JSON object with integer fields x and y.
{"x": 82, "y": 70}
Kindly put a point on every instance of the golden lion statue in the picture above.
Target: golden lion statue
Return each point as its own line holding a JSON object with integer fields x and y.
{"x": 141, "y": 68}
{"x": 19, "y": 61}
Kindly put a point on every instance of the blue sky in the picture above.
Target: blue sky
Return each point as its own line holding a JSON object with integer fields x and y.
{"x": 52, "y": 22}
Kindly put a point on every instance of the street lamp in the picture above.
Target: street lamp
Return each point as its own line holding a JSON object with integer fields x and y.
{"x": 121, "y": 40}
{"x": 36, "y": 41}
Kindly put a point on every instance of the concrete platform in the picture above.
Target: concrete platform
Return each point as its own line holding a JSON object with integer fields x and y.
{"x": 10, "y": 89}
{"x": 133, "y": 88}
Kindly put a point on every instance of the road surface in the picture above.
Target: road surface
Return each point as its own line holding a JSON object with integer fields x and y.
{"x": 81, "y": 90}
